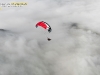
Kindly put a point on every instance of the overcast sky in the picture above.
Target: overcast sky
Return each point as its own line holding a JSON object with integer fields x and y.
{"x": 73, "y": 50}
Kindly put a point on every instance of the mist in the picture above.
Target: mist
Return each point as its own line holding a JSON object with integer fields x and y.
{"x": 75, "y": 45}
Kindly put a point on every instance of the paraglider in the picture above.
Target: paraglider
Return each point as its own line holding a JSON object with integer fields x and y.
{"x": 44, "y": 25}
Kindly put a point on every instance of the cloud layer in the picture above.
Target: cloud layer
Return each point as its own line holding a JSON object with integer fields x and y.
{"x": 73, "y": 50}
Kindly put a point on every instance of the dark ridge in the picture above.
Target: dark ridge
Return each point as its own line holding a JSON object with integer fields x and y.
{"x": 75, "y": 25}
{"x": 3, "y": 30}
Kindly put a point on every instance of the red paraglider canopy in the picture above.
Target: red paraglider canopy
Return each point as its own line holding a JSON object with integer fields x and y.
{"x": 44, "y": 25}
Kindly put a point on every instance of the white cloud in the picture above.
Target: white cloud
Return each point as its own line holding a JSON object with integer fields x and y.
{"x": 73, "y": 50}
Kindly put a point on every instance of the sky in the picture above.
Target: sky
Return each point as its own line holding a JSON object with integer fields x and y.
{"x": 73, "y": 50}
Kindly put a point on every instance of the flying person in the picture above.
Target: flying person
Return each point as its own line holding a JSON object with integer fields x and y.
{"x": 48, "y": 39}
{"x": 44, "y": 25}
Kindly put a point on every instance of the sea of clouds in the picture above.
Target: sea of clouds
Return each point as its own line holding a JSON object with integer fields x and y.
{"x": 75, "y": 45}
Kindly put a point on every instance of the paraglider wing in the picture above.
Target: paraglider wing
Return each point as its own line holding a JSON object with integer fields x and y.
{"x": 49, "y": 29}
{"x": 44, "y": 25}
